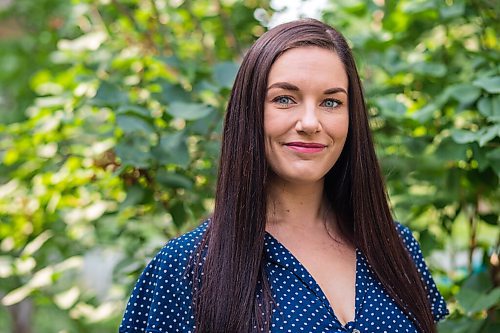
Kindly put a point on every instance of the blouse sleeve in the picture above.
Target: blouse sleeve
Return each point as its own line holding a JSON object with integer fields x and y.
{"x": 438, "y": 305}
{"x": 160, "y": 298}
{"x": 135, "y": 318}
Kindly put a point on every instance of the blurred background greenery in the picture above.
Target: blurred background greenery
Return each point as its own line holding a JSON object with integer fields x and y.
{"x": 110, "y": 121}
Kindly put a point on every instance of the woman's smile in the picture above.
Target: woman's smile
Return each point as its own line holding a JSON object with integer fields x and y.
{"x": 306, "y": 147}
{"x": 306, "y": 114}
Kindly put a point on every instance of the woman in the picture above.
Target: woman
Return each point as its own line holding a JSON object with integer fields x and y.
{"x": 301, "y": 238}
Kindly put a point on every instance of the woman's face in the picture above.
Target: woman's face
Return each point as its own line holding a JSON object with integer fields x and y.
{"x": 306, "y": 116}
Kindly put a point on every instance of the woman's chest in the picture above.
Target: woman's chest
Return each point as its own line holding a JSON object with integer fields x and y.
{"x": 327, "y": 260}
{"x": 301, "y": 304}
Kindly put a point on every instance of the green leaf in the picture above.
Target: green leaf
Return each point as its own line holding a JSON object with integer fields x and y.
{"x": 488, "y": 133}
{"x": 134, "y": 110}
{"x": 449, "y": 150}
{"x": 134, "y": 151}
{"x": 174, "y": 180}
{"x": 473, "y": 301}
{"x": 463, "y": 136}
{"x": 212, "y": 148}
{"x": 427, "y": 242}
{"x": 486, "y": 301}
{"x": 491, "y": 219}
{"x": 203, "y": 125}
{"x": 431, "y": 69}
{"x": 135, "y": 195}
{"x": 479, "y": 282}
{"x": 131, "y": 124}
{"x": 456, "y": 9}
{"x": 479, "y": 155}
{"x": 465, "y": 93}
{"x": 415, "y": 7}
{"x": 485, "y": 107}
{"x": 179, "y": 213}
{"x": 110, "y": 95}
{"x": 390, "y": 107}
{"x": 171, "y": 93}
{"x": 490, "y": 84}
{"x": 189, "y": 111}
{"x": 467, "y": 298}
{"x": 461, "y": 325}
{"x": 170, "y": 60}
{"x": 494, "y": 155}
{"x": 425, "y": 114}
{"x": 205, "y": 86}
{"x": 172, "y": 149}
{"x": 357, "y": 8}
{"x": 225, "y": 73}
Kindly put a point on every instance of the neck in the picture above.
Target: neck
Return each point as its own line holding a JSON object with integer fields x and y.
{"x": 298, "y": 205}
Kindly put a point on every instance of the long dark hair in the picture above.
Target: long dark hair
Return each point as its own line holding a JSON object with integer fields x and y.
{"x": 232, "y": 276}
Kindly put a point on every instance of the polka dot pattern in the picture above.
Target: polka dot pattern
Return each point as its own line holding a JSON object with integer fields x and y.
{"x": 161, "y": 299}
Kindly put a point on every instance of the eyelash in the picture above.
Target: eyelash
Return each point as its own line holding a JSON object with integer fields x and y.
{"x": 290, "y": 101}
{"x": 339, "y": 103}
{"x": 277, "y": 98}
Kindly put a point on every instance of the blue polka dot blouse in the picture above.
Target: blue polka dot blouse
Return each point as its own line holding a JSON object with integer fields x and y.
{"x": 161, "y": 299}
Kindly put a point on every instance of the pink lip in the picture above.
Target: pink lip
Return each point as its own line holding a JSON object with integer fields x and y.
{"x": 306, "y": 147}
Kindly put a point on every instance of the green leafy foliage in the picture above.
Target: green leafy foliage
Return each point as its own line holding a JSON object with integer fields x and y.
{"x": 118, "y": 149}
{"x": 113, "y": 148}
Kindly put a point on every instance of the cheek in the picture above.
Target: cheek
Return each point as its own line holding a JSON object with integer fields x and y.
{"x": 340, "y": 128}
{"x": 345, "y": 128}
{"x": 345, "y": 123}
{"x": 274, "y": 126}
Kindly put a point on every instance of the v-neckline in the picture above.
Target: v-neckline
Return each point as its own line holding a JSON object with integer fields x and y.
{"x": 306, "y": 277}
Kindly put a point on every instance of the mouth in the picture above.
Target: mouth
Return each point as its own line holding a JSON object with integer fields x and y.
{"x": 306, "y": 147}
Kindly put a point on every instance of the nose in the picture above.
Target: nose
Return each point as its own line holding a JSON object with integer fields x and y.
{"x": 308, "y": 121}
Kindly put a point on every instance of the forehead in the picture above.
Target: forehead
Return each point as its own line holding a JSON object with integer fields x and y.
{"x": 309, "y": 63}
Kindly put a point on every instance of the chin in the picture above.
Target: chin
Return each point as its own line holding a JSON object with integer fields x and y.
{"x": 297, "y": 178}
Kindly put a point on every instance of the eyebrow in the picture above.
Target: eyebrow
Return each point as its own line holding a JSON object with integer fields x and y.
{"x": 283, "y": 85}
{"x": 292, "y": 87}
{"x": 334, "y": 91}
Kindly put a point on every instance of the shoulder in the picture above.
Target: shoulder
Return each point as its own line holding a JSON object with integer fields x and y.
{"x": 188, "y": 241}
{"x": 403, "y": 230}
{"x": 162, "y": 293}
{"x": 171, "y": 262}
{"x": 408, "y": 238}
{"x": 413, "y": 247}
{"x": 179, "y": 250}
{"x": 438, "y": 305}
